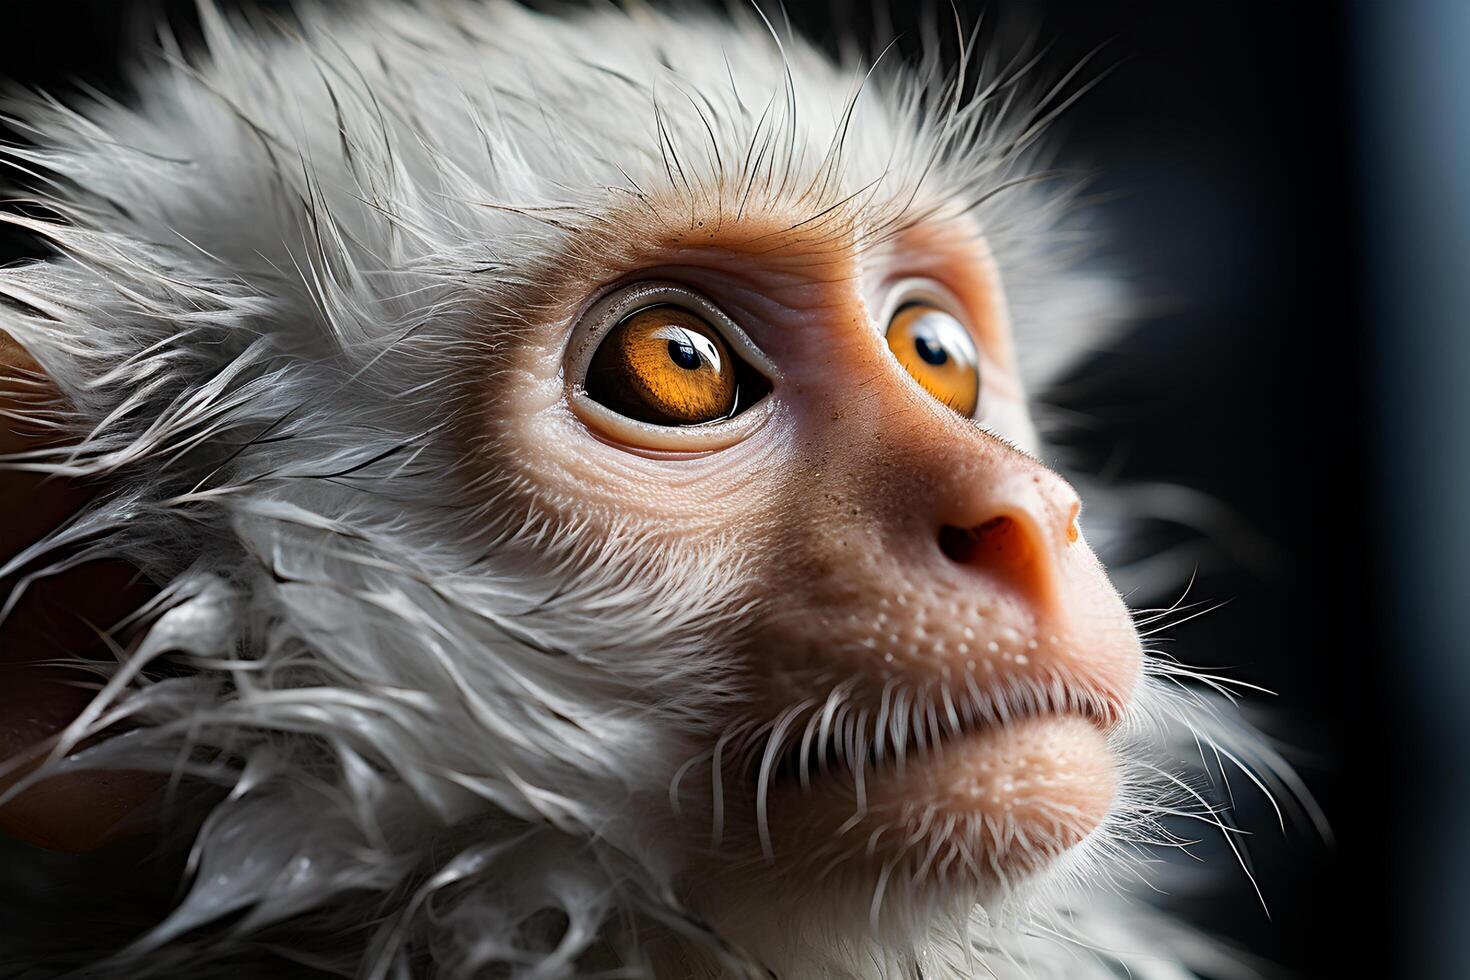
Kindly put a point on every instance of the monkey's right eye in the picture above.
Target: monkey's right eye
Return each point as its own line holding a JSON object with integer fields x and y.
{"x": 668, "y": 366}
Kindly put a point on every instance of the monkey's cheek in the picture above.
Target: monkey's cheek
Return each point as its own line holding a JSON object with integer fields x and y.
{"x": 992, "y": 809}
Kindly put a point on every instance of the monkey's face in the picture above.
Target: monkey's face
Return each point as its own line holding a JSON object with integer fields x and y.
{"x": 927, "y": 658}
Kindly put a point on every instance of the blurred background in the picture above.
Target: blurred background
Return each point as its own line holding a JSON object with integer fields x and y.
{"x": 1287, "y": 185}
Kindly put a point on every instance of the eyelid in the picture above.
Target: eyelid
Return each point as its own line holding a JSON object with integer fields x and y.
{"x": 610, "y": 310}
{"x": 915, "y": 289}
{"x": 619, "y": 304}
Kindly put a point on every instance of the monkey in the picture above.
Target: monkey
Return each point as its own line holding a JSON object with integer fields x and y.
{"x": 543, "y": 495}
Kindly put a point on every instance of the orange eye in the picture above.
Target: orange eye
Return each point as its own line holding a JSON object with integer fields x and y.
{"x": 667, "y": 366}
{"x": 939, "y": 352}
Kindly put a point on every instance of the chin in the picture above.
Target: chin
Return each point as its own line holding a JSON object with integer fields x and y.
{"x": 913, "y": 849}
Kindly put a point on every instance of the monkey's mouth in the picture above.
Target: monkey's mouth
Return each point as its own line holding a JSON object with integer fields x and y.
{"x": 876, "y": 742}
{"x": 974, "y": 800}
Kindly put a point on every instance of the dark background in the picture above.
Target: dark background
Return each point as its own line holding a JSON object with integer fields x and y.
{"x": 1226, "y": 143}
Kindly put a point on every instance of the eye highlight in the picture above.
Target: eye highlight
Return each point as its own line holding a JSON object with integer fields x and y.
{"x": 937, "y": 349}
{"x": 666, "y": 365}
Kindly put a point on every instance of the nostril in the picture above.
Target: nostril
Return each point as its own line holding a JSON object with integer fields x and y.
{"x": 998, "y": 540}
{"x": 956, "y": 543}
{"x": 999, "y": 546}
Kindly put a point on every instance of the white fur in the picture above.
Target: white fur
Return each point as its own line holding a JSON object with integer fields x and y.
{"x": 270, "y": 266}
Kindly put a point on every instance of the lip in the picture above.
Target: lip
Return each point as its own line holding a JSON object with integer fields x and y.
{"x": 821, "y": 753}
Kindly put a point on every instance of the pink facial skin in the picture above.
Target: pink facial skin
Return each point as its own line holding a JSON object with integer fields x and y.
{"x": 922, "y": 563}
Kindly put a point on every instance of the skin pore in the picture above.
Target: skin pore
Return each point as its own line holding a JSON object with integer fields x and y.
{"x": 933, "y": 657}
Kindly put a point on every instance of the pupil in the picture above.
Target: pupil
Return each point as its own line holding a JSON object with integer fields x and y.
{"x": 930, "y": 350}
{"x": 682, "y": 353}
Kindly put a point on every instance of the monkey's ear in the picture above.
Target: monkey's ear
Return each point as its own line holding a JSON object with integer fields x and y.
{"x": 54, "y": 620}
{"x": 32, "y": 505}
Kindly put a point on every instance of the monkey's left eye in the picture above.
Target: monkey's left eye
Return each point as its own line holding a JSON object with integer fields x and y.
{"x": 667, "y": 366}
{"x": 939, "y": 352}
